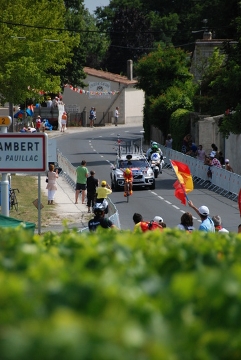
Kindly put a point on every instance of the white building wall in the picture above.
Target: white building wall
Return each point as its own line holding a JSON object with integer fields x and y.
{"x": 134, "y": 104}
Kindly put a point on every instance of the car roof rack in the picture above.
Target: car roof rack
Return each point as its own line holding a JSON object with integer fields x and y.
{"x": 132, "y": 146}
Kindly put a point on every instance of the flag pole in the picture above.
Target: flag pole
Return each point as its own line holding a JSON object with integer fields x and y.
{"x": 179, "y": 181}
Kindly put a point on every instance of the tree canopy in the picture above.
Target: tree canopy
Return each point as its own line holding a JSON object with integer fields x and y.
{"x": 35, "y": 47}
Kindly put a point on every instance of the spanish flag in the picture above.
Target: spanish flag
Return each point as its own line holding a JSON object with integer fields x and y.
{"x": 184, "y": 184}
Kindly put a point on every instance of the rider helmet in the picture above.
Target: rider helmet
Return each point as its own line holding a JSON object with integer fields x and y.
{"x": 99, "y": 209}
{"x": 154, "y": 147}
{"x": 127, "y": 171}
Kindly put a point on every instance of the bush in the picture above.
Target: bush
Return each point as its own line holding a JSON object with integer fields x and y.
{"x": 115, "y": 296}
{"x": 179, "y": 127}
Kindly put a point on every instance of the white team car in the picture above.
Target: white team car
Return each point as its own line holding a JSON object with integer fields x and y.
{"x": 143, "y": 175}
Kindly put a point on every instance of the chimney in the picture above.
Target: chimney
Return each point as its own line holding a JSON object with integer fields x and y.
{"x": 207, "y": 35}
{"x": 130, "y": 69}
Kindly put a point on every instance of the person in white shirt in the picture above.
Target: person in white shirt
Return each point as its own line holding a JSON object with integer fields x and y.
{"x": 116, "y": 115}
{"x": 218, "y": 224}
{"x": 186, "y": 222}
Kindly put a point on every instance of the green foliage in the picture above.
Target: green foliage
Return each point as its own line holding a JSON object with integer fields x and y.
{"x": 231, "y": 123}
{"x": 29, "y": 64}
{"x": 179, "y": 127}
{"x": 114, "y": 296}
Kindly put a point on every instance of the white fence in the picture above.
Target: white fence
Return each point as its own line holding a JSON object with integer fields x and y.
{"x": 69, "y": 174}
{"x": 224, "y": 182}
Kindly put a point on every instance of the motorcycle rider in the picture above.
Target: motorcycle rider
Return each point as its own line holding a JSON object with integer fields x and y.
{"x": 99, "y": 220}
{"x": 155, "y": 154}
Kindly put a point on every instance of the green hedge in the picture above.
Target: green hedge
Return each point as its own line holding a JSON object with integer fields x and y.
{"x": 119, "y": 295}
{"x": 180, "y": 125}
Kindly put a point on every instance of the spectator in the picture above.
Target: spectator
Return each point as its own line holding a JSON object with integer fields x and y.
{"x": 218, "y": 224}
{"x": 228, "y": 166}
{"x": 201, "y": 153}
{"x": 38, "y": 123}
{"x": 221, "y": 158}
{"x": 186, "y": 222}
{"x": 207, "y": 223}
{"x": 63, "y": 121}
{"x": 49, "y": 102}
{"x": 101, "y": 194}
{"x": 117, "y": 114}
{"x": 215, "y": 161}
{"x": 92, "y": 116}
{"x": 187, "y": 140}
{"x": 137, "y": 218}
{"x": 99, "y": 220}
{"x": 82, "y": 174}
{"x": 31, "y": 129}
{"x": 160, "y": 221}
{"x": 169, "y": 141}
{"x": 214, "y": 148}
{"x": 239, "y": 228}
{"x": 52, "y": 184}
{"x": 92, "y": 183}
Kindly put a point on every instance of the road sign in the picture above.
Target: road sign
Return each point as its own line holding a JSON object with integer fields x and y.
{"x": 23, "y": 152}
{"x": 5, "y": 120}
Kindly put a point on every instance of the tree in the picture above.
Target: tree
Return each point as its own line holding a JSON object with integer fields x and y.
{"x": 36, "y": 47}
{"x": 165, "y": 78}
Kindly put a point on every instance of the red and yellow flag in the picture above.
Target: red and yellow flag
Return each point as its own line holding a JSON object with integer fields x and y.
{"x": 184, "y": 184}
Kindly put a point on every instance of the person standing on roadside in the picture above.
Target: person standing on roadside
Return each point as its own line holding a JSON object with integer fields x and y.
{"x": 168, "y": 142}
{"x": 92, "y": 184}
{"x": 207, "y": 223}
{"x": 82, "y": 174}
{"x": 52, "y": 184}
{"x": 116, "y": 115}
{"x": 91, "y": 117}
{"x": 63, "y": 122}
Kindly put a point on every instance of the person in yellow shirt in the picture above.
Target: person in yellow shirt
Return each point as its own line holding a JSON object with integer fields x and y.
{"x": 101, "y": 194}
{"x": 137, "y": 218}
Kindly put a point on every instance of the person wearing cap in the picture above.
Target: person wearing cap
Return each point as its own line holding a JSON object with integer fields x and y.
{"x": 102, "y": 192}
{"x": 214, "y": 160}
{"x": 92, "y": 184}
{"x": 203, "y": 211}
{"x": 186, "y": 222}
{"x": 82, "y": 174}
{"x": 218, "y": 224}
{"x": 228, "y": 166}
{"x": 31, "y": 129}
{"x": 160, "y": 221}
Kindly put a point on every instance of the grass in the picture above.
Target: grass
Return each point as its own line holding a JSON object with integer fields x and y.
{"x": 28, "y": 192}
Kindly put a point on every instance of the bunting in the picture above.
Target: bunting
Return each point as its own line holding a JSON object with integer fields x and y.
{"x": 82, "y": 91}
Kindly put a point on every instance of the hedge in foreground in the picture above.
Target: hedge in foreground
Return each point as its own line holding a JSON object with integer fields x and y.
{"x": 120, "y": 296}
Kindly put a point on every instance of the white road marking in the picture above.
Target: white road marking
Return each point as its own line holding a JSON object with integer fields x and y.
{"x": 176, "y": 207}
{"x": 168, "y": 202}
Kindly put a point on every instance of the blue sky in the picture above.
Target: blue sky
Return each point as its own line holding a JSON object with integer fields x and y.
{"x": 92, "y": 4}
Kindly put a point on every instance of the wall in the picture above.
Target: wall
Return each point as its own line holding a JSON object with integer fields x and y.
{"x": 129, "y": 100}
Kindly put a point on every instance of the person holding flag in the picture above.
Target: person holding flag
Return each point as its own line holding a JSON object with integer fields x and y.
{"x": 207, "y": 223}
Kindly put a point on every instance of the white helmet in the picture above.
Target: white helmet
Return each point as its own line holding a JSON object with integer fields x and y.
{"x": 155, "y": 157}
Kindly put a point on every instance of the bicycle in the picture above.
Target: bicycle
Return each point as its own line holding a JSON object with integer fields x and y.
{"x": 127, "y": 190}
{"x": 13, "y": 201}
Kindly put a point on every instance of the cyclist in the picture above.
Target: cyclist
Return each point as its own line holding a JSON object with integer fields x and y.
{"x": 128, "y": 177}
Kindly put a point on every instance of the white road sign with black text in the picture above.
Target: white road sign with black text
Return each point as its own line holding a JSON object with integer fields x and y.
{"x": 23, "y": 152}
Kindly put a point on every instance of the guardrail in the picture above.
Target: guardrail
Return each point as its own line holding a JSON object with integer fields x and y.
{"x": 222, "y": 182}
{"x": 69, "y": 174}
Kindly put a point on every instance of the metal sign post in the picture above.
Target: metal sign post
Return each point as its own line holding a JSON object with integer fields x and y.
{"x": 5, "y": 121}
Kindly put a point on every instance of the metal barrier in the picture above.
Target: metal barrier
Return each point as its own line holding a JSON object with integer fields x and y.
{"x": 222, "y": 182}
{"x": 69, "y": 174}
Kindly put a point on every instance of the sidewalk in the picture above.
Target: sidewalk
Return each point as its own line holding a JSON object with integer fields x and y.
{"x": 76, "y": 214}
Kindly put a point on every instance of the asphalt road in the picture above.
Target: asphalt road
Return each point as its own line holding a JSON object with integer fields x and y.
{"x": 97, "y": 147}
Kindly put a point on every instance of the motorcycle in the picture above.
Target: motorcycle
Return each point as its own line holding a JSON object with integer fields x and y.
{"x": 157, "y": 162}
{"x": 103, "y": 202}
